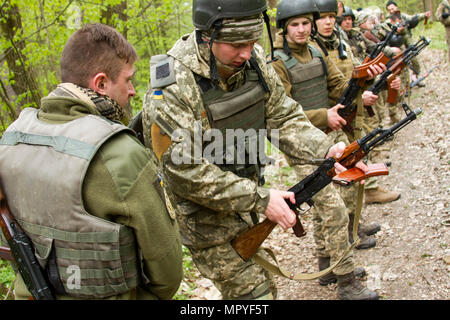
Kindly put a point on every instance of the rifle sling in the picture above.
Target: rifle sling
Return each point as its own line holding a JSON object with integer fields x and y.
{"x": 276, "y": 269}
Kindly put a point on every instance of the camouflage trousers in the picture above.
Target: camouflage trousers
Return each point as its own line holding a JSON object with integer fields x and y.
{"x": 369, "y": 124}
{"x": 330, "y": 224}
{"x": 232, "y": 276}
{"x": 332, "y": 206}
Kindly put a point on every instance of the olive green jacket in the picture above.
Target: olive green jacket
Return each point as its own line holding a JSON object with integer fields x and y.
{"x": 119, "y": 187}
{"x": 336, "y": 81}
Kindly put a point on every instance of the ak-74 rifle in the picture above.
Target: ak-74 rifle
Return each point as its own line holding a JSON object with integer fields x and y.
{"x": 22, "y": 252}
{"x": 420, "y": 79}
{"x": 247, "y": 243}
{"x": 358, "y": 80}
{"x": 394, "y": 66}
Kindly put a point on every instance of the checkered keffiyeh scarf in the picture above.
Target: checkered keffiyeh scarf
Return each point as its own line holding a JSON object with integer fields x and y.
{"x": 107, "y": 107}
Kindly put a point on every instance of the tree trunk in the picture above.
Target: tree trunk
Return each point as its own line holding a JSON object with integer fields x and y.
{"x": 428, "y": 5}
{"x": 108, "y": 17}
{"x": 20, "y": 75}
{"x": 120, "y": 11}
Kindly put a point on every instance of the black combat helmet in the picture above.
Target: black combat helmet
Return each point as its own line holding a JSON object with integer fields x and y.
{"x": 348, "y": 12}
{"x": 206, "y": 12}
{"x": 327, "y": 5}
{"x": 209, "y": 15}
{"x": 290, "y": 8}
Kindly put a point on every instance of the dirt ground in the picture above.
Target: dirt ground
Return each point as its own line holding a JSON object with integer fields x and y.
{"x": 411, "y": 260}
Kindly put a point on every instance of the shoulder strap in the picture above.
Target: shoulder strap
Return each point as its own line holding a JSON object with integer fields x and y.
{"x": 289, "y": 61}
{"x": 315, "y": 53}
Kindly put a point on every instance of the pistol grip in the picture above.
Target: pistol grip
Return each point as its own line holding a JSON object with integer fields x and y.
{"x": 298, "y": 229}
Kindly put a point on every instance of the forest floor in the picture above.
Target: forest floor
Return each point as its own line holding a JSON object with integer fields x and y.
{"x": 411, "y": 260}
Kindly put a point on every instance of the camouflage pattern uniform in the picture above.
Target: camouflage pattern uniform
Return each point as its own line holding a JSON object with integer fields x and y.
{"x": 214, "y": 206}
{"x": 407, "y": 35}
{"x": 346, "y": 66}
{"x": 336, "y": 84}
{"x": 394, "y": 109}
{"x": 443, "y": 15}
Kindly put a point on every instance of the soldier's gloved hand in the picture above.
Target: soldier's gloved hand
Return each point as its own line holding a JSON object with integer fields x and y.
{"x": 445, "y": 15}
{"x": 278, "y": 211}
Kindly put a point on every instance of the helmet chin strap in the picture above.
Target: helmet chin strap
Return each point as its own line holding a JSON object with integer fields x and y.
{"x": 214, "y": 74}
{"x": 267, "y": 22}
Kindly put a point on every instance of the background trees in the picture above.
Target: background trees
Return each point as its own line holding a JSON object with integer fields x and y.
{"x": 33, "y": 33}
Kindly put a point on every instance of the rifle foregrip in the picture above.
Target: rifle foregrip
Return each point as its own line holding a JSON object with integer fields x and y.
{"x": 392, "y": 96}
{"x": 355, "y": 174}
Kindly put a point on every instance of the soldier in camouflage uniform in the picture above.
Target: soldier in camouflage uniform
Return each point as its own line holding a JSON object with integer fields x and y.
{"x": 395, "y": 110}
{"x": 217, "y": 77}
{"x": 405, "y": 32}
{"x": 361, "y": 41}
{"x": 443, "y": 15}
{"x": 332, "y": 44}
{"x": 312, "y": 80}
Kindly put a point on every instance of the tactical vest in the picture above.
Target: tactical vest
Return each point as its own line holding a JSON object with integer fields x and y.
{"x": 241, "y": 111}
{"x": 308, "y": 80}
{"x": 42, "y": 168}
{"x": 344, "y": 65}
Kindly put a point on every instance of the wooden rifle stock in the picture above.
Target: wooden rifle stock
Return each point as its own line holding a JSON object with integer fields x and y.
{"x": 5, "y": 254}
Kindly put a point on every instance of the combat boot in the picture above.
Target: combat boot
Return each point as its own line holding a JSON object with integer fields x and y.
{"x": 368, "y": 229}
{"x": 365, "y": 242}
{"x": 324, "y": 262}
{"x": 349, "y": 288}
{"x": 380, "y": 195}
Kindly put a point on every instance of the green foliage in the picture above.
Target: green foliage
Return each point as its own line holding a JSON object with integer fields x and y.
{"x": 151, "y": 26}
{"x": 190, "y": 275}
{"x": 7, "y": 277}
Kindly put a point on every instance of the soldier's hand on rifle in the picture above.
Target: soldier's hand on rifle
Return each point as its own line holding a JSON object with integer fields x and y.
{"x": 396, "y": 50}
{"x": 335, "y": 121}
{"x": 278, "y": 211}
{"x": 337, "y": 151}
{"x": 369, "y": 98}
{"x": 375, "y": 70}
{"x": 396, "y": 84}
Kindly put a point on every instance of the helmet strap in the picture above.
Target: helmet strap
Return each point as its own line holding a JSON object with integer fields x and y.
{"x": 267, "y": 22}
{"x": 214, "y": 74}
{"x": 286, "y": 48}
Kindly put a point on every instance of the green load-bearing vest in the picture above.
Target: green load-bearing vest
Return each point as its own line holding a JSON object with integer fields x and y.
{"x": 241, "y": 109}
{"x": 308, "y": 80}
{"x": 42, "y": 168}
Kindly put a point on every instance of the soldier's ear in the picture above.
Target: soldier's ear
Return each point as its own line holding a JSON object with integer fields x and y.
{"x": 99, "y": 83}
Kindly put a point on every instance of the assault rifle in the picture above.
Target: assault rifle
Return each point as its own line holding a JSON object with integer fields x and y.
{"x": 22, "y": 251}
{"x": 247, "y": 243}
{"x": 359, "y": 77}
{"x": 420, "y": 79}
{"x": 395, "y": 65}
